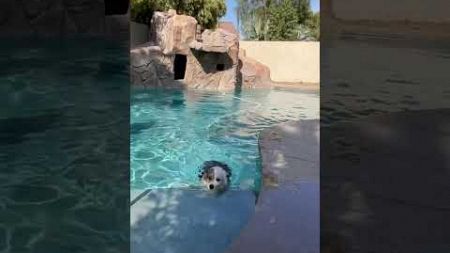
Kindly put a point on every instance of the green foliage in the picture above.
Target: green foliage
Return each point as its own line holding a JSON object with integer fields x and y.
{"x": 313, "y": 24}
{"x": 283, "y": 21}
{"x": 253, "y": 18}
{"x": 178, "y": 5}
{"x": 277, "y": 20}
{"x": 141, "y": 11}
{"x": 311, "y": 29}
{"x": 303, "y": 10}
{"x": 207, "y": 12}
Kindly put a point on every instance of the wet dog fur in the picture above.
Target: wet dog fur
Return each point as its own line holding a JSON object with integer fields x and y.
{"x": 215, "y": 176}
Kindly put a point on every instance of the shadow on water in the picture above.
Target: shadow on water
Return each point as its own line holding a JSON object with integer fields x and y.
{"x": 15, "y": 130}
{"x": 137, "y": 128}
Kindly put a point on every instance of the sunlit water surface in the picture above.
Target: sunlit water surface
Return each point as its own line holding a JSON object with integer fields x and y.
{"x": 174, "y": 131}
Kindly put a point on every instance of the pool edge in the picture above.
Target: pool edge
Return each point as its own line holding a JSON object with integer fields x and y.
{"x": 290, "y": 160}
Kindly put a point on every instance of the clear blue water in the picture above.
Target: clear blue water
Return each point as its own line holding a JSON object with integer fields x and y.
{"x": 174, "y": 131}
{"x": 64, "y": 145}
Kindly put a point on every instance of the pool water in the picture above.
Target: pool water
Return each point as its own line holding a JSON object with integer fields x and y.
{"x": 174, "y": 131}
{"x": 64, "y": 145}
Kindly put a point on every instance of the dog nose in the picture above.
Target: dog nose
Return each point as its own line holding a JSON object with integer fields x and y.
{"x": 211, "y": 186}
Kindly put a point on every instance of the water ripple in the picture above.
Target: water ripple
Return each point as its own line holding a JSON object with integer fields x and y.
{"x": 174, "y": 132}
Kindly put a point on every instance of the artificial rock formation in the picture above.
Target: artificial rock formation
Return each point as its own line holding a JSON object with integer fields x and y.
{"x": 150, "y": 67}
{"x": 253, "y": 74}
{"x": 179, "y": 54}
{"x": 172, "y": 32}
{"x": 218, "y": 41}
{"x": 215, "y": 60}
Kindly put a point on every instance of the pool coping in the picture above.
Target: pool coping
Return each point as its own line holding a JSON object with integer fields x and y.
{"x": 290, "y": 161}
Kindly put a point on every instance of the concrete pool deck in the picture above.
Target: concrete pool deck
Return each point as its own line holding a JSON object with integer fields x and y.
{"x": 298, "y": 86}
{"x": 385, "y": 183}
{"x": 286, "y": 218}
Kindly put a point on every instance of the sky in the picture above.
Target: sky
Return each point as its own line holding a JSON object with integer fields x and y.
{"x": 231, "y": 10}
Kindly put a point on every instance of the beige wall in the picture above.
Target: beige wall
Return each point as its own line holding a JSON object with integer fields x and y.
{"x": 289, "y": 61}
{"x": 389, "y": 10}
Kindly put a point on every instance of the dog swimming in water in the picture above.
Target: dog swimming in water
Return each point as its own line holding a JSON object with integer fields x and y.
{"x": 215, "y": 176}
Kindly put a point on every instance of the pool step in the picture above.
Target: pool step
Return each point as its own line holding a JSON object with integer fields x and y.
{"x": 187, "y": 221}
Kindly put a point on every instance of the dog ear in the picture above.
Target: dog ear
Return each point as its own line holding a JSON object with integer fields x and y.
{"x": 228, "y": 174}
{"x": 228, "y": 170}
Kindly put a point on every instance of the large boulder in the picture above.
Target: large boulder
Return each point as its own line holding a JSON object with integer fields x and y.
{"x": 253, "y": 74}
{"x": 212, "y": 58}
{"x": 172, "y": 32}
{"x": 218, "y": 40}
{"x": 228, "y": 26}
{"x": 150, "y": 67}
{"x": 209, "y": 70}
{"x": 213, "y": 62}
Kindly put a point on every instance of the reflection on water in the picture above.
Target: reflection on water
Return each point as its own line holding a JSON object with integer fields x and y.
{"x": 174, "y": 131}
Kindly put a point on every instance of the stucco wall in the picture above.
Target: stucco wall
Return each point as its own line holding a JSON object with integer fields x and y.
{"x": 413, "y": 10}
{"x": 289, "y": 61}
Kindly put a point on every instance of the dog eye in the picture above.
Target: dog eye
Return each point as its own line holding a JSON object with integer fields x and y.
{"x": 218, "y": 179}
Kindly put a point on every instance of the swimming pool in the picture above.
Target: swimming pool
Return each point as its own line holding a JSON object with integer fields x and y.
{"x": 174, "y": 131}
{"x": 64, "y": 146}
